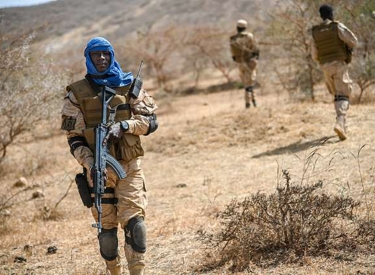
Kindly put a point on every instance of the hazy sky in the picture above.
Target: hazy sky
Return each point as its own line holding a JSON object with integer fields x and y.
{"x": 20, "y": 3}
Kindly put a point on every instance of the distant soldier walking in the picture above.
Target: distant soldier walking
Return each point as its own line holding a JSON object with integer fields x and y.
{"x": 332, "y": 46}
{"x": 245, "y": 52}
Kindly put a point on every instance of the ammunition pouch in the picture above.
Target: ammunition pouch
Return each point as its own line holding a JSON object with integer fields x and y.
{"x": 129, "y": 147}
{"x": 83, "y": 189}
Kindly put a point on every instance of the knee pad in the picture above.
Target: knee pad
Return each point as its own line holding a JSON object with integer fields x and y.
{"x": 108, "y": 243}
{"x": 341, "y": 97}
{"x": 249, "y": 89}
{"x": 135, "y": 234}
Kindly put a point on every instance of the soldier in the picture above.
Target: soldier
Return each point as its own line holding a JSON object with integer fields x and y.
{"x": 332, "y": 46}
{"x": 124, "y": 201}
{"x": 245, "y": 53}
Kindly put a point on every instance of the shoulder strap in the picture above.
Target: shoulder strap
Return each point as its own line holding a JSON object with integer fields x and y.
{"x": 93, "y": 84}
{"x": 81, "y": 89}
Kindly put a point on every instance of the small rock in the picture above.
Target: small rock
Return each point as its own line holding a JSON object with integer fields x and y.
{"x": 21, "y": 182}
{"x": 28, "y": 249}
{"x": 5, "y": 213}
{"x": 19, "y": 259}
{"x": 37, "y": 194}
{"x": 52, "y": 250}
{"x": 181, "y": 185}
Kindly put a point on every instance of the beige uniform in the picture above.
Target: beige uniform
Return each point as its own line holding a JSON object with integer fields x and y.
{"x": 130, "y": 191}
{"x": 336, "y": 72}
{"x": 333, "y": 62}
{"x": 243, "y": 46}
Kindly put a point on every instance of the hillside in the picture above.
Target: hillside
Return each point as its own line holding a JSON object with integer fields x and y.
{"x": 119, "y": 18}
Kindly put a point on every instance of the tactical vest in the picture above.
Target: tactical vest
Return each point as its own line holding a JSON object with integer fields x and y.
{"x": 330, "y": 46}
{"x": 240, "y": 52}
{"x": 129, "y": 146}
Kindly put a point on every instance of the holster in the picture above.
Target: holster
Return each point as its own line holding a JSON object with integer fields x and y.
{"x": 83, "y": 189}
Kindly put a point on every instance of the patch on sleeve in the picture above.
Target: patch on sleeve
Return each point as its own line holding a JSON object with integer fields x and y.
{"x": 149, "y": 101}
{"x": 68, "y": 123}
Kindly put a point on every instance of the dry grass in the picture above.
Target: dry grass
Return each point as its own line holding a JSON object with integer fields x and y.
{"x": 207, "y": 151}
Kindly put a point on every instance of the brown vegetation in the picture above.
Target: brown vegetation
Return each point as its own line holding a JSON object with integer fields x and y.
{"x": 212, "y": 167}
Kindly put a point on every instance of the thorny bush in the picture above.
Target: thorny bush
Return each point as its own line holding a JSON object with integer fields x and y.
{"x": 293, "y": 222}
{"x": 31, "y": 90}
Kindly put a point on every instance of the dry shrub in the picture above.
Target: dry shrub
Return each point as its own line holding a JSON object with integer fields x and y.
{"x": 284, "y": 227}
{"x": 31, "y": 90}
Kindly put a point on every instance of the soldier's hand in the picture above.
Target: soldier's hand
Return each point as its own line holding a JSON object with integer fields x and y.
{"x": 115, "y": 131}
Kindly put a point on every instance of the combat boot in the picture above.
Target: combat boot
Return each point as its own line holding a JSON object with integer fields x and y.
{"x": 114, "y": 267}
{"x": 248, "y": 96}
{"x": 340, "y": 128}
{"x": 254, "y": 103}
{"x": 341, "y": 107}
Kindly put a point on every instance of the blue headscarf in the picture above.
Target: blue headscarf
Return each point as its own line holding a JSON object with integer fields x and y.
{"x": 113, "y": 76}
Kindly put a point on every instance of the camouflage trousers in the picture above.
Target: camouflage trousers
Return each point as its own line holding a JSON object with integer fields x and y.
{"x": 132, "y": 201}
{"x": 247, "y": 72}
{"x": 337, "y": 78}
{"x": 131, "y": 195}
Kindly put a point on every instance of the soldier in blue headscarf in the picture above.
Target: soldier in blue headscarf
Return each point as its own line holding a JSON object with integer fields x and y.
{"x": 125, "y": 200}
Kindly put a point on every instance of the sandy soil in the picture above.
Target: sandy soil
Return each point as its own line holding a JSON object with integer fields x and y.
{"x": 207, "y": 151}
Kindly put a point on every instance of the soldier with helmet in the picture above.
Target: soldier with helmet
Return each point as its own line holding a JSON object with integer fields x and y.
{"x": 245, "y": 53}
{"x": 332, "y": 46}
{"x": 124, "y": 201}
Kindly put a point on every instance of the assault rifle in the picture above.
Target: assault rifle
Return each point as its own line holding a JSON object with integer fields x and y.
{"x": 103, "y": 157}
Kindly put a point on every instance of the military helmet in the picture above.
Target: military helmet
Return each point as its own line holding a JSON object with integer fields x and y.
{"x": 242, "y": 24}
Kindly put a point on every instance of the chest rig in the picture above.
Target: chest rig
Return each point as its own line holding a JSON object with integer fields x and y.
{"x": 330, "y": 46}
{"x": 126, "y": 148}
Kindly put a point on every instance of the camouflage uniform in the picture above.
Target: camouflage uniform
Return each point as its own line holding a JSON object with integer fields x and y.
{"x": 245, "y": 53}
{"x": 126, "y": 200}
{"x": 331, "y": 45}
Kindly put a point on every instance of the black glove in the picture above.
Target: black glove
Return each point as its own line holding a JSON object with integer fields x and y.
{"x": 116, "y": 130}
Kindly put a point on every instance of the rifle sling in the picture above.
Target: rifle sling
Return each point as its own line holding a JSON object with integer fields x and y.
{"x": 107, "y": 200}
{"x": 106, "y": 190}
{"x": 93, "y": 84}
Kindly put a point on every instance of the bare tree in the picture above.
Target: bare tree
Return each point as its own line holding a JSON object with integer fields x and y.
{"x": 211, "y": 44}
{"x": 157, "y": 49}
{"x": 362, "y": 24}
{"x": 290, "y": 28}
{"x": 30, "y": 92}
